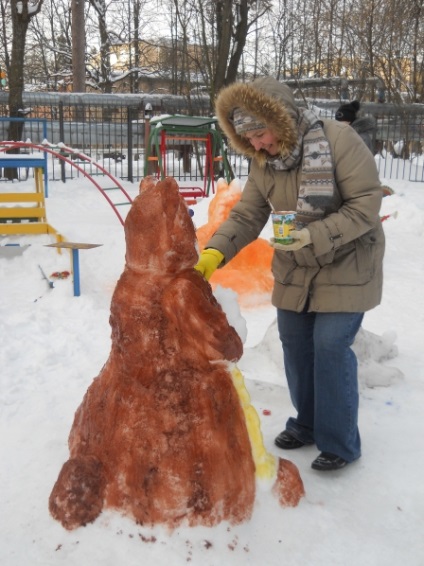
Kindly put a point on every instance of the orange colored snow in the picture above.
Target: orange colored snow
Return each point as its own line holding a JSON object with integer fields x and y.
{"x": 249, "y": 273}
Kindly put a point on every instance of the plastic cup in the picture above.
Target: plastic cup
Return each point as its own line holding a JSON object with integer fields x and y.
{"x": 282, "y": 223}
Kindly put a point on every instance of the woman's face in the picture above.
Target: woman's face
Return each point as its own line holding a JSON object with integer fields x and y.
{"x": 264, "y": 139}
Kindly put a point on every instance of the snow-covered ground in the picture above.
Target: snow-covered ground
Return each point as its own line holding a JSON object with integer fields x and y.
{"x": 53, "y": 344}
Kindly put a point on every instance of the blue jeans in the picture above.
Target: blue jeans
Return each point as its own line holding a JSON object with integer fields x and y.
{"x": 322, "y": 375}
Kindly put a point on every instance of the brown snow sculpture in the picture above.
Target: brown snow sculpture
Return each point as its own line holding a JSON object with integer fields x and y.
{"x": 160, "y": 433}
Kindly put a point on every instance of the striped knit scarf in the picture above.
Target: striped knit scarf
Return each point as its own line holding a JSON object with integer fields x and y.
{"x": 317, "y": 195}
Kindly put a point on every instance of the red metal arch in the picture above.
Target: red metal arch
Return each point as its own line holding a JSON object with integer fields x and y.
{"x": 7, "y": 145}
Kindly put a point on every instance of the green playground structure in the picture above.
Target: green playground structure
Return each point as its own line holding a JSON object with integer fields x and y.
{"x": 181, "y": 133}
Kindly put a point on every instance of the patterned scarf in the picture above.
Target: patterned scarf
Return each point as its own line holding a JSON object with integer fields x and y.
{"x": 317, "y": 195}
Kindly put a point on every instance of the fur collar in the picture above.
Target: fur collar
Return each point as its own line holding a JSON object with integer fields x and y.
{"x": 269, "y": 100}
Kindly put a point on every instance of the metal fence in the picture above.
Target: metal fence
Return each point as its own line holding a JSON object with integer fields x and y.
{"x": 112, "y": 130}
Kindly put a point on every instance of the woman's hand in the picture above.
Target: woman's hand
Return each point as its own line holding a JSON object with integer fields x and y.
{"x": 208, "y": 261}
{"x": 301, "y": 239}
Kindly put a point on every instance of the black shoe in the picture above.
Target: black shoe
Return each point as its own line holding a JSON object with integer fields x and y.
{"x": 287, "y": 441}
{"x": 326, "y": 462}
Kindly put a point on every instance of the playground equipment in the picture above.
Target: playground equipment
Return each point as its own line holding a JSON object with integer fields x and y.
{"x": 180, "y": 132}
{"x": 25, "y": 212}
{"x": 19, "y": 219}
{"x": 42, "y": 157}
{"x": 63, "y": 152}
{"x": 74, "y": 247}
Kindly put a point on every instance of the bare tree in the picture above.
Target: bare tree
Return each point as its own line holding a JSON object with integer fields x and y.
{"x": 131, "y": 19}
{"x": 134, "y": 42}
{"x": 270, "y": 49}
{"x": 233, "y": 19}
{"x": 50, "y": 45}
{"x": 220, "y": 30}
{"x": 104, "y": 79}
{"x": 78, "y": 46}
{"x": 381, "y": 37}
{"x": 417, "y": 49}
{"x": 22, "y": 11}
{"x": 193, "y": 43}
{"x": 5, "y": 35}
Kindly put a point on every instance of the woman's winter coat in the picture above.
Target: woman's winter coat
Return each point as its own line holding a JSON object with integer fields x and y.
{"x": 342, "y": 270}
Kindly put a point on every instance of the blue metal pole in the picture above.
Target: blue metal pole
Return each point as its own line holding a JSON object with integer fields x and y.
{"x": 46, "y": 175}
{"x": 75, "y": 269}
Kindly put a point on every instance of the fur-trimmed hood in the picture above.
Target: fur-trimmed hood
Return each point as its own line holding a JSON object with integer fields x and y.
{"x": 269, "y": 101}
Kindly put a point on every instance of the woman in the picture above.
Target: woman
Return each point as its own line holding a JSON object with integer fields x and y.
{"x": 332, "y": 272}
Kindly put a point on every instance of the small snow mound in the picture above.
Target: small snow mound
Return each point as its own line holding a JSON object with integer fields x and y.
{"x": 270, "y": 346}
{"x": 368, "y": 346}
{"x": 371, "y": 351}
{"x": 373, "y": 374}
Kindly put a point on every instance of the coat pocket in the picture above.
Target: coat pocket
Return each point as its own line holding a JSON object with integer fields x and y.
{"x": 286, "y": 271}
{"x": 366, "y": 257}
{"x": 353, "y": 263}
